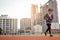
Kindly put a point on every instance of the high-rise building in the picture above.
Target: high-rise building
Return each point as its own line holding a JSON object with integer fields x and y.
{"x": 34, "y": 11}
{"x": 38, "y": 19}
{"x": 44, "y": 9}
{"x": 8, "y": 25}
{"x": 53, "y": 5}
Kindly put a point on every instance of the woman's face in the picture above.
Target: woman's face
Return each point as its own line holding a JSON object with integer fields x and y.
{"x": 50, "y": 12}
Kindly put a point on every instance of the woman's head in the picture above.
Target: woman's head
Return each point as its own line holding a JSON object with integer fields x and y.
{"x": 50, "y": 11}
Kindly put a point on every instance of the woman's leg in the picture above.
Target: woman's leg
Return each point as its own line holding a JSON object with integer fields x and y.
{"x": 47, "y": 29}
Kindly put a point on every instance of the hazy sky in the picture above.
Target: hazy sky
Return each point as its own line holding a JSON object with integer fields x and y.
{"x": 21, "y": 8}
{"x": 18, "y": 8}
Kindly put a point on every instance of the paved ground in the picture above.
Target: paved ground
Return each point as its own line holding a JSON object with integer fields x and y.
{"x": 29, "y": 38}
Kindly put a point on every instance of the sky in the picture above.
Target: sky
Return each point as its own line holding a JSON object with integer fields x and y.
{"x": 17, "y": 8}
{"x": 21, "y": 8}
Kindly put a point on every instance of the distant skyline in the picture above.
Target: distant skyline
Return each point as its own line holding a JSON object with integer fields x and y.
{"x": 21, "y": 8}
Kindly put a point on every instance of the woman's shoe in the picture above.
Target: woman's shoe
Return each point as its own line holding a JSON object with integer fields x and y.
{"x": 51, "y": 35}
{"x": 45, "y": 34}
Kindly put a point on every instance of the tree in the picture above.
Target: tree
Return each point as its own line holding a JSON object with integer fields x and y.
{"x": 0, "y": 31}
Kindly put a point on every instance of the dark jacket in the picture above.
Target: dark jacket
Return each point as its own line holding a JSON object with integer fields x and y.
{"x": 48, "y": 19}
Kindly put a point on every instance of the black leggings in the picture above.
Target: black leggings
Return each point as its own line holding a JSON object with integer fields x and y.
{"x": 49, "y": 28}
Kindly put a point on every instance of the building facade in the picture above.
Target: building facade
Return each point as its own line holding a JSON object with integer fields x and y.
{"x": 8, "y": 25}
{"x": 38, "y": 19}
{"x": 25, "y": 24}
{"x": 34, "y": 11}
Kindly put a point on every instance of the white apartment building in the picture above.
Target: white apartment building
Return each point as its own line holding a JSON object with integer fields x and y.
{"x": 8, "y": 25}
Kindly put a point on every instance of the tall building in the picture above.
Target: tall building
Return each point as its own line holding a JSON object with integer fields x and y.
{"x": 8, "y": 25}
{"x": 34, "y": 11}
{"x": 51, "y": 4}
{"x": 25, "y": 24}
{"x": 43, "y": 9}
{"x": 38, "y": 19}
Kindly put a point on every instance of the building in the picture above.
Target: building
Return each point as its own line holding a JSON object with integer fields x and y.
{"x": 51, "y": 4}
{"x": 8, "y": 25}
{"x": 38, "y": 19}
{"x": 25, "y": 24}
{"x": 34, "y": 11}
{"x": 43, "y": 9}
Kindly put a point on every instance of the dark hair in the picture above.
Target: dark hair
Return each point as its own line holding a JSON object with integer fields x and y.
{"x": 50, "y": 9}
